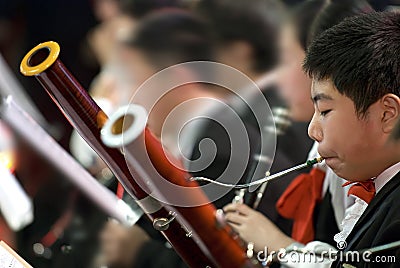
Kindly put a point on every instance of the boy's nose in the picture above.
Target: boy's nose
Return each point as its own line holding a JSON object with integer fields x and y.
{"x": 314, "y": 130}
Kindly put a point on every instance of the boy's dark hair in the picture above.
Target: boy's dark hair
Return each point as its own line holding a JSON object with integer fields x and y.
{"x": 172, "y": 36}
{"x": 252, "y": 21}
{"x": 361, "y": 57}
{"x": 334, "y": 12}
{"x": 312, "y": 17}
{"x": 302, "y": 17}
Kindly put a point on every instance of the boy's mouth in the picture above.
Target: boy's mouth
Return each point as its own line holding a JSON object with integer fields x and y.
{"x": 329, "y": 158}
{"x": 326, "y": 154}
{"x": 330, "y": 161}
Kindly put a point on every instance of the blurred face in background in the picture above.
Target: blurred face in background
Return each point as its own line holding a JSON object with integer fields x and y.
{"x": 294, "y": 85}
{"x": 106, "y": 9}
{"x": 135, "y": 66}
{"x": 237, "y": 54}
{"x": 161, "y": 100}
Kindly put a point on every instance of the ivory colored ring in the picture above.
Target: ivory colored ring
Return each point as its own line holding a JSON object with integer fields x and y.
{"x": 133, "y": 130}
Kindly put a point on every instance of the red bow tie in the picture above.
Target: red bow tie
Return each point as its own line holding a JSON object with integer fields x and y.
{"x": 298, "y": 203}
{"x": 362, "y": 189}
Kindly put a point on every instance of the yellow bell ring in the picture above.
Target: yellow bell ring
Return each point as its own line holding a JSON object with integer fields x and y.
{"x": 29, "y": 70}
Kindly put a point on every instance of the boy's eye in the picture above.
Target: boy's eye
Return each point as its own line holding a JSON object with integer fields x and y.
{"x": 324, "y": 113}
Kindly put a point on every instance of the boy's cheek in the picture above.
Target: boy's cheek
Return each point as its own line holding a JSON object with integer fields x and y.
{"x": 338, "y": 134}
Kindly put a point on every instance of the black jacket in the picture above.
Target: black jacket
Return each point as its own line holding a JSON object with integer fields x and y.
{"x": 379, "y": 225}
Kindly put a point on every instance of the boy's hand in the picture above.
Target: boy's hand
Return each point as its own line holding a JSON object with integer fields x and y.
{"x": 254, "y": 227}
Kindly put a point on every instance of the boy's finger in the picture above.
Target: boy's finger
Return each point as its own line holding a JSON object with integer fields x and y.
{"x": 243, "y": 209}
{"x": 230, "y": 208}
{"x": 235, "y": 218}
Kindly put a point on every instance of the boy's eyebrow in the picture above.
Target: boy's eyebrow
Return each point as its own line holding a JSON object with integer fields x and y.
{"x": 321, "y": 96}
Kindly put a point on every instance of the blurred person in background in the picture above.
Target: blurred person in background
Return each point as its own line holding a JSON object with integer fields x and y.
{"x": 304, "y": 23}
{"x": 248, "y": 52}
{"x": 246, "y": 38}
{"x": 142, "y": 54}
{"x": 116, "y": 19}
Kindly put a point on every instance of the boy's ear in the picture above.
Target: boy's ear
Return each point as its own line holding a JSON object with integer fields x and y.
{"x": 391, "y": 112}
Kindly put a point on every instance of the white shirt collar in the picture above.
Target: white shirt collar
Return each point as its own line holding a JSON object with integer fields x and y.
{"x": 386, "y": 176}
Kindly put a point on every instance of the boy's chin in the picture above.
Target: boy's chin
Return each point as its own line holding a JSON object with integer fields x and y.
{"x": 334, "y": 164}
{"x": 348, "y": 176}
{"x": 342, "y": 172}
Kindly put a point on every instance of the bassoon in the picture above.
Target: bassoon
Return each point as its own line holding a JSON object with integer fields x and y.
{"x": 88, "y": 119}
{"x": 126, "y": 129}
